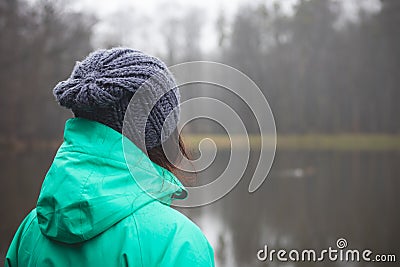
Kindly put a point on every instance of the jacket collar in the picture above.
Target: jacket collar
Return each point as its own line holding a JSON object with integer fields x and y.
{"x": 91, "y": 137}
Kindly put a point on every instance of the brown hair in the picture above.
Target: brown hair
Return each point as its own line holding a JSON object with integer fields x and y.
{"x": 175, "y": 145}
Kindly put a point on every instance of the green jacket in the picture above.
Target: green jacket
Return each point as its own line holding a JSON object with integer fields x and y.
{"x": 92, "y": 212}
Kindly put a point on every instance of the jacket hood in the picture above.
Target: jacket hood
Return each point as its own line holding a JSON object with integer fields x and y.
{"x": 92, "y": 184}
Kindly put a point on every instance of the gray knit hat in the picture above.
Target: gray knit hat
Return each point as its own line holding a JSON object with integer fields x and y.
{"x": 101, "y": 86}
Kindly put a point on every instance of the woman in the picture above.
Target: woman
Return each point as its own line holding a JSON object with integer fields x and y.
{"x": 92, "y": 209}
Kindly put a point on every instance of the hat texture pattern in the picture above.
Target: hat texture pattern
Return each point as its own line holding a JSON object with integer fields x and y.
{"x": 102, "y": 85}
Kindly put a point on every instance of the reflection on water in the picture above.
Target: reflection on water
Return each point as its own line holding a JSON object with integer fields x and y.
{"x": 309, "y": 200}
{"x": 220, "y": 235}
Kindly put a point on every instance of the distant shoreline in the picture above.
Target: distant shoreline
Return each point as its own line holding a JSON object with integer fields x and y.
{"x": 339, "y": 142}
{"x": 373, "y": 142}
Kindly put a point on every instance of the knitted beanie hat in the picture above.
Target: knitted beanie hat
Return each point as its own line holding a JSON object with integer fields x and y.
{"x": 102, "y": 85}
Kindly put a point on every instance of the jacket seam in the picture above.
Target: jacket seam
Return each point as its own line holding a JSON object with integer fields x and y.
{"x": 80, "y": 205}
{"x": 138, "y": 238}
{"x": 90, "y": 154}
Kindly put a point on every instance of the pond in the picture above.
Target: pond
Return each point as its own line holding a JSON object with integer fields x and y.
{"x": 309, "y": 200}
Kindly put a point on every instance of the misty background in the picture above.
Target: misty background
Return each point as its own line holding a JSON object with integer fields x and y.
{"x": 329, "y": 69}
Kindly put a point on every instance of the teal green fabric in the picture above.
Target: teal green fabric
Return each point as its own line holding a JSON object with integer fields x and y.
{"x": 99, "y": 206}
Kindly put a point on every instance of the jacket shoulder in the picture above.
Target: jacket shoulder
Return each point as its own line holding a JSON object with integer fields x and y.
{"x": 169, "y": 238}
{"x": 12, "y": 256}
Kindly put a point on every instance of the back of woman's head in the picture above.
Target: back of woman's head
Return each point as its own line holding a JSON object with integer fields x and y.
{"x": 102, "y": 86}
